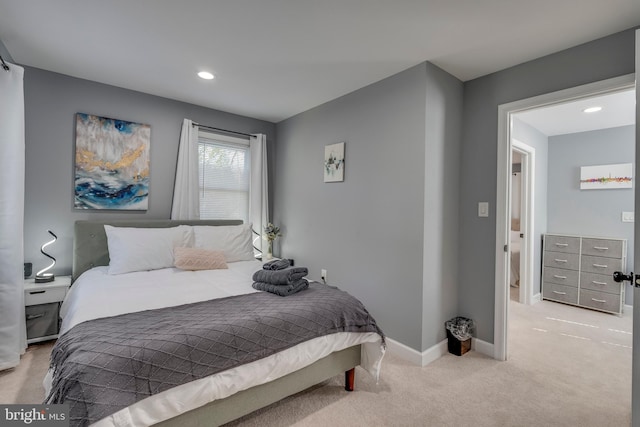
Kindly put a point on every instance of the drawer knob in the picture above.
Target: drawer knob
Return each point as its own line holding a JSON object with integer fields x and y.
{"x": 36, "y": 292}
{"x": 600, "y": 265}
{"x": 562, "y": 244}
{"x": 560, "y": 260}
{"x": 598, "y": 300}
{"x": 559, "y": 277}
{"x": 600, "y": 248}
{"x": 598, "y": 283}
{"x": 559, "y": 293}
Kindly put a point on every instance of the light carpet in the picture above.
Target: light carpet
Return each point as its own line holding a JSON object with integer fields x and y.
{"x": 567, "y": 366}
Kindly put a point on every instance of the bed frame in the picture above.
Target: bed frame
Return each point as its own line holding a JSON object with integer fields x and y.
{"x": 90, "y": 250}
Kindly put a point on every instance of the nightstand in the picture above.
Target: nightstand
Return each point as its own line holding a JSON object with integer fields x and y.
{"x": 42, "y": 307}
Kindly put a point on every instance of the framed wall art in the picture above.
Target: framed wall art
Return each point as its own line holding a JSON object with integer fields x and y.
{"x": 606, "y": 177}
{"x": 111, "y": 164}
{"x": 334, "y": 162}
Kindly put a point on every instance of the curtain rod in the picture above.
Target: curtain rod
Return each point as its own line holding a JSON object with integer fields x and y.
{"x": 4, "y": 64}
{"x": 222, "y": 130}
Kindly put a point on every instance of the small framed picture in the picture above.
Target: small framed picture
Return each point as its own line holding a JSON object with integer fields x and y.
{"x": 334, "y": 162}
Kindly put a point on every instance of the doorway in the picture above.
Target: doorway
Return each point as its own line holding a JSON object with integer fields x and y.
{"x": 505, "y": 114}
{"x": 521, "y": 221}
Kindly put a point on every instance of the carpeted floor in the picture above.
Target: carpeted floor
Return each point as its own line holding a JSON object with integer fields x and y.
{"x": 567, "y": 366}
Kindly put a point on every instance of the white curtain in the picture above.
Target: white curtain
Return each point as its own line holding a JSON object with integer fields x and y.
{"x": 13, "y": 340}
{"x": 186, "y": 196}
{"x": 258, "y": 189}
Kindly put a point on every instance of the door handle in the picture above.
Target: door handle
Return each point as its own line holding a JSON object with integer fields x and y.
{"x": 619, "y": 276}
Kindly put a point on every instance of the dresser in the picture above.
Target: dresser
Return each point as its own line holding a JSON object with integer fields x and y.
{"x": 579, "y": 270}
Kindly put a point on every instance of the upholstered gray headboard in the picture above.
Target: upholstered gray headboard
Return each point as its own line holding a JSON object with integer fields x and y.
{"x": 90, "y": 241}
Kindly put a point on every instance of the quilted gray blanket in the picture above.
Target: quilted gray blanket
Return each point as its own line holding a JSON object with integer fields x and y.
{"x": 103, "y": 365}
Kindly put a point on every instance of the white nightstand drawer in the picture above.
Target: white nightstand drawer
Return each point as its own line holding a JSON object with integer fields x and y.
{"x": 43, "y": 296}
{"x": 42, "y": 306}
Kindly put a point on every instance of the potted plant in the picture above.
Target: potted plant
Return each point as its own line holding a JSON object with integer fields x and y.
{"x": 271, "y": 233}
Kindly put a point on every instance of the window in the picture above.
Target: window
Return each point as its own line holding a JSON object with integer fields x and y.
{"x": 224, "y": 175}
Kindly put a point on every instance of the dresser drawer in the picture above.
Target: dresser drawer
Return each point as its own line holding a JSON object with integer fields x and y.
{"x": 42, "y": 320}
{"x": 44, "y": 296}
{"x": 599, "y": 283}
{"x": 561, "y": 293}
{"x": 602, "y": 247}
{"x": 600, "y": 300}
{"x": 566, "y": 261}
{"x": 600, "y": 265}
{"x": 561, "y": 277}
{"x": 562, "y": 244}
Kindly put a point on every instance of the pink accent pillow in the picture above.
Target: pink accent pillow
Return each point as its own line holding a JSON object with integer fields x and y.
{"x": 199, "y": 259}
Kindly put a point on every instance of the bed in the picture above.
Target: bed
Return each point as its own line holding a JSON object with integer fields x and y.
{"x": 102, "y": 307}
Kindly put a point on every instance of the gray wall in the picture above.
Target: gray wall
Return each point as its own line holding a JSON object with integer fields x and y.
{"x": 442, "y": 183}
{"x": 369, "y": 231}
{"x": 598, "y": 60}
{"x": 51, "y": 101}
{"x": 536, "y": 139}
{"x": 591, "y": 212}
{"x": 5, "y": 53}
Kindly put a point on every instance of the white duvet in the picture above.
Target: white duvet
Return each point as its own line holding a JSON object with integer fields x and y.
{"x": 97, "y": 294}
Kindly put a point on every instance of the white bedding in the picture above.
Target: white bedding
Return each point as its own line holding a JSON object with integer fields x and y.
{"x": 97, "y": 294}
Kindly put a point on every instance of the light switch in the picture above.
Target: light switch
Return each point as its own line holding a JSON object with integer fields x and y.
{"x": 628, "y": 217}
{"x": 483, "y": 209}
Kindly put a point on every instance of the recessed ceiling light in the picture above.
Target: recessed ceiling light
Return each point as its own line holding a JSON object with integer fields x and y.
{"x": 592, "y": 110}
{"x": 205, "y": 75}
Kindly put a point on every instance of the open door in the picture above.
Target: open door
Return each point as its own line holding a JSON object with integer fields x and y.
{"x": 635, "y": 367}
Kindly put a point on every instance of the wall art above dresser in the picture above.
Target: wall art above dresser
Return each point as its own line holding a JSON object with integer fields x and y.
{"x": 579, "y": 270}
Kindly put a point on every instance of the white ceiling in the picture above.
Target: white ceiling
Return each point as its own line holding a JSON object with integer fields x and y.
{"x": 276, "y": 58}
{"x": 618, "y": 109}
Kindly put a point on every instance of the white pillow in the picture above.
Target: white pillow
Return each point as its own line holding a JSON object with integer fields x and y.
{"x": 234, "y": 240}
{"x": 141, "y": 249}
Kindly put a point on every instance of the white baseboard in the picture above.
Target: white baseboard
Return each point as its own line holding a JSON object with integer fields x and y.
{"x": 536, "y": 298}
{"x": 414, "y": 356}
{"x": 433, "y": 353}
{"x": 483, "y": 347}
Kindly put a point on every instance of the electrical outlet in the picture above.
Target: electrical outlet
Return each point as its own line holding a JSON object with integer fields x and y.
{"x": 628, "y": 217}
{"x": 323, "y": 275}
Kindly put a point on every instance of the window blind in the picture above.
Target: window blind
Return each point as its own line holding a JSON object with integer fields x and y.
{"x": 224, "y": 176}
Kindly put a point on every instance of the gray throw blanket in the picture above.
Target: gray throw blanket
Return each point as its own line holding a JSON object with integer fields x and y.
{"x": 104, "y": 365}
{"x": 276, "y": 264}
{"x": 282, "y": 290}
{"x": 286, "y": 276}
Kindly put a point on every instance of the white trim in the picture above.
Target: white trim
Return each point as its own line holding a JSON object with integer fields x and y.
{"x": 433, "y": 353}
{"x": 615, "y": 84}
{"x": 502, "y": 234}
{"x": 414, "y": 356}
{"x": 536, "y": 298}
{"x": 482, "y": 347}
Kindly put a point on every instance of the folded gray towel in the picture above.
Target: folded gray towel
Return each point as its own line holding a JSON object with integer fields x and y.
{"x": 286, "y": 276}
{"x": 276, "y": 264}
{"x": 282, "y": 290}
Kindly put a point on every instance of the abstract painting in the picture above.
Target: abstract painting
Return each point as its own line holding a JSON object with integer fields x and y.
{"x": 334, "y": 162}
{"x": 112, "y": 163}
{"x": 605, "y": 177}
